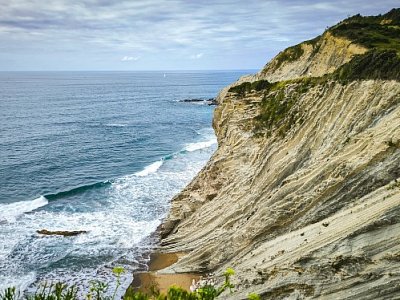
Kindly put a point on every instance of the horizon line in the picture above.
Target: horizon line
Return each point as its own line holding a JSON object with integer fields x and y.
{"x": 173, "y": 70}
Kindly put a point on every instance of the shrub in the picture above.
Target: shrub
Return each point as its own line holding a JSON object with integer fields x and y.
{"x": 290, "y": 54}
{"x": 247, "y": 86}
{"x": 374, "y": 64}
{"x": 61, "y": 291}
{"x": 374, "y": 32}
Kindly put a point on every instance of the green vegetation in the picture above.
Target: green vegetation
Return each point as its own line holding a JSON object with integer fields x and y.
{"x": 246, "y": 87}
{"x": 394, "y": 185}
{"x": 277, "y": 101}
{"x": 375, "y": 64}
{"x": 375, "y": 32}
{"x": 98, "y": 290}
{"x": 290, "y": 54}
{"x": 295, "y": 52}
{"x": 276, "y": 107}
{"x": 254, "y": 296}
{"x": 380, "y": 34}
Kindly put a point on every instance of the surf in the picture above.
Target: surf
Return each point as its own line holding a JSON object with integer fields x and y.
{"x": 77, "y": 190}
{"x": 150, "y": 169}
{"x": 10, "y": 212}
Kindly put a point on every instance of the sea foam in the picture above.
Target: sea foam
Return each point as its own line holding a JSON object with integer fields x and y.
{"x": 150, "y": 169}
{"x": 9, "y": 212}
{"x": 200, "y": 145}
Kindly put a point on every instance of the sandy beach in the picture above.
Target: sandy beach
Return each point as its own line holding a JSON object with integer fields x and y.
{"x": 154, "y": 279}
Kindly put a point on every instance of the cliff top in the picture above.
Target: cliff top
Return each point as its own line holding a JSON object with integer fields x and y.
{"x": 373, "y": 32}
{"x": 338, "y": 45}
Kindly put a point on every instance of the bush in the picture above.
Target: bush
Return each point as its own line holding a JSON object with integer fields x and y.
{"x": 290, "y": 54}
{"x": 61, "y": 291}
{"x": 247, "y": 86}
{"x": 374, "y": 64}
{"x": 374, "y": 32}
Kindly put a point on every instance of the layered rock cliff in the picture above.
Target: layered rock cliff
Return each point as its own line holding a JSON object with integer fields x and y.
{"x": 302, "y": 196}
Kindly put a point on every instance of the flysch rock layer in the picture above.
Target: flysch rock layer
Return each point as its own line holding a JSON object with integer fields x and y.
{"x": 314, "y": 213}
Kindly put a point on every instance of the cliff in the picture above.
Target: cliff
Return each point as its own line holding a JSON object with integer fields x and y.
{"x": 302, "y": 196}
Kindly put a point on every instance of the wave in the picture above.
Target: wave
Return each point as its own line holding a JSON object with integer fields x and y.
{"x": 9, "y": 212}
{"x": 191, "y": 147}
{"x": 21, "y": 282}
{"x": 77, "y": 190}
{"x": 200, "y": 145}
{"x": 129, "y": 210}
{"x": 150, "y": 169}
{"x": 116, "y": 125}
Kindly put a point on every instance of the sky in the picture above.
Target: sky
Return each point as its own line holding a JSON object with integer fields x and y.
{"x": 162, "y": 34}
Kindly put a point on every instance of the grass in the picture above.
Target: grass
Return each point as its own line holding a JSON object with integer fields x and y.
{"x": 295, "y": 52}
{"x": 276, "y": 111}
{"x": 290, "y": 54}
{"x": 394, "y": 185}
{"x": 98, "y": 290}
{"x": 375, "y": 64}
{"x": 246, "y": 87}
{"x": 374, "y": 32}
{"x": 380, "y": 32}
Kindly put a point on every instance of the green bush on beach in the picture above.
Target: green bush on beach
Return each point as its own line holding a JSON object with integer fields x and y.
{"x": 98, "y": 290}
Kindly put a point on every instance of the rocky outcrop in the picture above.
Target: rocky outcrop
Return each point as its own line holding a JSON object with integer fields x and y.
{"x": 62, "y": 233}
{"x": 302, "y": 196}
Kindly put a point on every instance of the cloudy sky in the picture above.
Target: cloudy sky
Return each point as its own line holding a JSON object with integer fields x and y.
{"x": 162, "y": 34}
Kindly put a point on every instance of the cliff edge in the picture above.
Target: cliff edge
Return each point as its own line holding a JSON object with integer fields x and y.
{"x": 302, "y": 196}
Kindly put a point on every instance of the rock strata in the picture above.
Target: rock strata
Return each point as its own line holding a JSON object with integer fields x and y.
{"x": 302, "y": 196}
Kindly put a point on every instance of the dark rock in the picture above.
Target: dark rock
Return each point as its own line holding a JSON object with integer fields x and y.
{"x": 192, "y": 100}
{"x": 63, "y": 233}
{"x": 209, "y": 197}
{"x": 210, "y": 101}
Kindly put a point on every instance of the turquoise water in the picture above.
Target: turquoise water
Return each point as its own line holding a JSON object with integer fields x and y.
{"x": 97, "y": 151}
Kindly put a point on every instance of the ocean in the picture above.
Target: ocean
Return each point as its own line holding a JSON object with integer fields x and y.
{"x": 102, "y": 152}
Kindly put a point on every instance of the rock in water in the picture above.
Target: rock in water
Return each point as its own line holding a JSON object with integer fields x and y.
{"x": 63, "y": 233}
{"x": 210, "y": 101}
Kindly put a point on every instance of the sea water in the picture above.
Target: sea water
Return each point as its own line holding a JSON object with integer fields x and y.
{"x": 102, "y": 152}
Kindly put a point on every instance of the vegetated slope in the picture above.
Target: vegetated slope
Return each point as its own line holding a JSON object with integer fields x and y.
{"x": 302, "y": 197}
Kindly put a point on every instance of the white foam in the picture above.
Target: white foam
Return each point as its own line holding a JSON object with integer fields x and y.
{"x": 117, "y": 226}
{"x": 150, "y": 169}
{"x": 20, "y": 282}
{"x": 200, "y": 145}
{"x": 9, "y": 212}
{"x": 116, "y": 125}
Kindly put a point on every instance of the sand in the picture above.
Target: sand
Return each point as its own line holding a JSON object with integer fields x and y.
{"x": 154, "y": 279}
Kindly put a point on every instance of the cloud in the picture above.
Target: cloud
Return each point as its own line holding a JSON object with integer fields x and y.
{"x": 129, "y": 58}
{"x": 196, "y": 56}
{"x": 90, "y": 33}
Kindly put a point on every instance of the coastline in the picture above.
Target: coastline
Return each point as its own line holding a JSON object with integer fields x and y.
{"x": 155, "y": 280}
{"x": 302, "y": 196}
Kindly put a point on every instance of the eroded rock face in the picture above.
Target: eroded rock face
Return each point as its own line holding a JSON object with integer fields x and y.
{"x": 320, "y": 56}
{"x": 307, "y": 212}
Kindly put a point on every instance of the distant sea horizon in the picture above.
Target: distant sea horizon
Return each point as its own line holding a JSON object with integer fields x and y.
{"x": 244, "y": 71}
